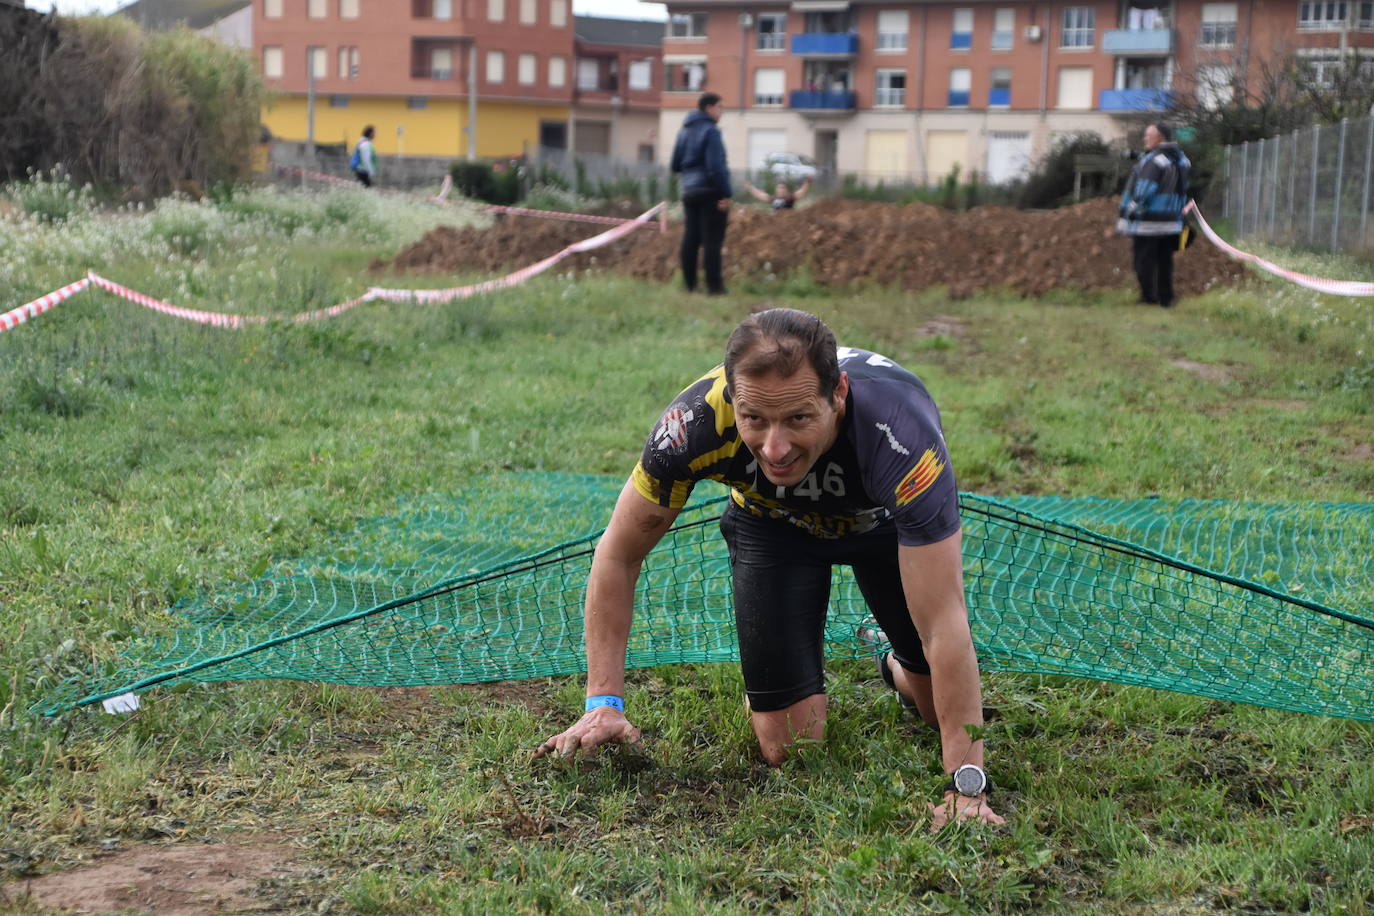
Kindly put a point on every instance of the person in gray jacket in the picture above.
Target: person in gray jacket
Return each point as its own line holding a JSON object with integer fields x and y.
{"x": 1152, "y": 213}
{"x": 699, "y": 157}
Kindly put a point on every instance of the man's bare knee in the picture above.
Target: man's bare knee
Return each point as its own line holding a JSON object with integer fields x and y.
{"x": 777, "y": 731}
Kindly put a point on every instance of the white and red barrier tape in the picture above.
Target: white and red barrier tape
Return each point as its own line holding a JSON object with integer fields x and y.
{"x": 1320, "y": 284}
{"x": 17, "y": 316}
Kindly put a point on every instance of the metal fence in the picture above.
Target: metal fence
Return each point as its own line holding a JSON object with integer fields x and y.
{"x": 1311, "y": 187}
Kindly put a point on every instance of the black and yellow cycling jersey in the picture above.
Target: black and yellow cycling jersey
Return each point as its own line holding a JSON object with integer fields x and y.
{"x": 888, "y": 466}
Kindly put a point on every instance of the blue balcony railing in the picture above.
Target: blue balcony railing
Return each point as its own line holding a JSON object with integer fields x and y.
{"x": 959, "y": 41}
{"x": 843, "y": 44}
{"x": 1135, "y": 100}
{"x": 958, "y": 98}
{"x": 1138, "y": 41}
{"x": 823, "y": 99}
{"x": 999, "y": 97}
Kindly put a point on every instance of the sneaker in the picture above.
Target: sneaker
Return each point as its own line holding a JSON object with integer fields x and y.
{"x": 874, "y": 640}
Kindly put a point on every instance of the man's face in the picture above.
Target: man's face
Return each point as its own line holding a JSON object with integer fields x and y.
{"x": 785, "y": 423}
{"x": 780, "y": 190}
{"x": 1153, "y": 137}
{"x": 715, "y": 111}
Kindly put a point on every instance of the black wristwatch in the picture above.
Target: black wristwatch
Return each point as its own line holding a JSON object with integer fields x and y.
{"x": 969, "y": 780}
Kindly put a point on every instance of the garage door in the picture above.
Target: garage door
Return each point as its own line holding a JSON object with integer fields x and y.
{"x": 885, "y": 155}
{"x": 1008, "y": 156}
{"x": 763, "y": 142}
{"x": 944, "y": 150}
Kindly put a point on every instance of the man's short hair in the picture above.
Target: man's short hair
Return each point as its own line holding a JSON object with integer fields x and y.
{"x": 1164, "y": 129}
{"x": 369, "y": 131}
{"x": 777, "y": 341}
{"x": 707, "y": 100}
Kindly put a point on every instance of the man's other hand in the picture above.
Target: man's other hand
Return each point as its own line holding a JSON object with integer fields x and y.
{"x": 602, "y": 725}
{"x": 723, "y": 204}
{"x": 956, "y": 807}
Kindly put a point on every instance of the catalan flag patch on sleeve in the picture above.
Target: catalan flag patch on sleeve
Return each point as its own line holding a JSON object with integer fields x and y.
{"x": 919, "y": 478}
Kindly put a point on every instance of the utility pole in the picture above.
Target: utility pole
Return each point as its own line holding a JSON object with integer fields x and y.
{"x": 472, "y": 102}
{"x": 310, "y": 98}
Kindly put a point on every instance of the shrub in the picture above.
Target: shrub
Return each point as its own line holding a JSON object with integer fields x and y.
{"x": 51, "y": 197}
{"x": 1051, "y": 184}
{"x": 484, "y": 181}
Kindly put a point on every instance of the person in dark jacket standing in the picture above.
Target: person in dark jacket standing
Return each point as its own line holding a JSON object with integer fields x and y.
{"x": 699, "y": 157}
{"x": 1152, "y": 213}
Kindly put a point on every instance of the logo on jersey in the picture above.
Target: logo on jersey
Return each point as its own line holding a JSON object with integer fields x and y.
{"x": 919, "y": 478}
{"x": 671, "y": 435}
{"x": 892, "y": 440}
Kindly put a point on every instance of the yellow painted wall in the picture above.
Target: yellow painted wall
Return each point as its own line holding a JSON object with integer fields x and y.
{"x": 503, "y": 128}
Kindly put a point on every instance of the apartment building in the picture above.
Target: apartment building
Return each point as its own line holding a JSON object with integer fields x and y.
{"x": 490, "y": 78}
{"x": 908, "y": 91}
{"x": 617, "y": 86}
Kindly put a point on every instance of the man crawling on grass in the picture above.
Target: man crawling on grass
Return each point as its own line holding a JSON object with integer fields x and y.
{"x": 834, "y": 456}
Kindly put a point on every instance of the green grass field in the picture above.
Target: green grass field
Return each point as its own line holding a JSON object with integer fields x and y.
{"x": 147, "y": 458}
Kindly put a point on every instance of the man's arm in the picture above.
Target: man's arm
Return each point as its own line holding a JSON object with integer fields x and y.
{"x": 933, "y": 580}
{"x": 802, "y": 191}
{"x": 636, "y": 527}
{"x": 760, "y": 195}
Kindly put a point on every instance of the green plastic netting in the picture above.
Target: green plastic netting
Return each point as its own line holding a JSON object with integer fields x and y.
{"x": 1262, "y": 603}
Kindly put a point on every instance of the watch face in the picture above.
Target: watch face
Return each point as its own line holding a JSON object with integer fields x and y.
{"x": 970, "y": 780}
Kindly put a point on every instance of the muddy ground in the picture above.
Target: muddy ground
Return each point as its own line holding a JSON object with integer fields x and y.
{"x": 844, "y": 242}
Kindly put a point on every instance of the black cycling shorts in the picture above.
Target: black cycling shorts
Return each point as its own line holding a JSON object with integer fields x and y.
{"x": 782, "y": 590}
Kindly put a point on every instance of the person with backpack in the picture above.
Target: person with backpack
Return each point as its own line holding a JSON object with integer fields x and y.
{"x": 1152, "y": 213}
{"x": 364, "y": 160}
{"x": 699, "y": 157}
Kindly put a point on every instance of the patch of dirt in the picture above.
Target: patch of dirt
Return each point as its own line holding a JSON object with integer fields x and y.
{"x": 166, "y": 880}
{"x": 1282, "y": 405}
{"x": 944, "y": 326}
{"x": 1362, "y": 452}
{"x": 1202, "y": 370}
{"x": 843, "y": 242}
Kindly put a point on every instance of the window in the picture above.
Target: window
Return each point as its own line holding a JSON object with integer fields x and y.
{"x": 588, "y": 74}
{"x": 772, "y": 31}
{"x": 999, "y": 92}
{"x": 416, "y": 102}
{"x": 441, "y": 64}
{"x": 641, "y": 75}
{"x": 1078, "y": 28}
{"x": 558, "y": 71}
{"x": 271, "y": 9}
{"x": 348, "y": 62}
{"x": 317, "y": 9}
{"x": 558, "y": 13}
{"x": 496, "y": 10}
{"x": 1218, "y": 25}
{"x": 769, "y": 86}
{"x": 891, "y": 91}
{"x": 687, "y": 25}
{"x": 338, "y": 101}
{"x": 441, "y": 9}
{"x": 319, "y": 63}
{"x": 1321, "y": 14}
{"x": 529, "y": 12}
{"x": 959, "y": 81}
{"x": 527, "y": 69}
{"x": 496, "y": 66}
{"x": 1366, "y": 20}
{"x": 892, "y": 28}
{"x": 1075, "y": 87}
{"x": 1003, "y": 29}
{"x": 684, "y": 77}
{"x": 961, "y": 34}
{"x": 1214, "y": 87}
{"x": 272, "y": 62}
{"x": 348, "y": 9}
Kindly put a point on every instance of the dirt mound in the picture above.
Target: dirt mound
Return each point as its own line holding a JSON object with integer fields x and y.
{"x": 842, "y": 242}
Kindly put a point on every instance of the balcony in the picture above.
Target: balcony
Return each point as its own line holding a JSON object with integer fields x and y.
{"x": 1135, "y": 100}
{"x": 1138, "y": 41}
{"x": 826, "y": 44}
{"x": 821, "y": 100}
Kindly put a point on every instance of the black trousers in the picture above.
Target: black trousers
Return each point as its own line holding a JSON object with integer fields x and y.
{"x": 703, "y": 228}
{"x": 364, "y": 177}
{"x": 1154, "y": 267}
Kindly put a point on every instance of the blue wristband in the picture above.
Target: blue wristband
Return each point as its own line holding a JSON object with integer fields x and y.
{"x": 594, "y": 702}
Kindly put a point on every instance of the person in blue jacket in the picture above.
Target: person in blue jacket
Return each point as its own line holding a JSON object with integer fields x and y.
{"x": 1152, "y": 213}
{"x": 699, "y": 157}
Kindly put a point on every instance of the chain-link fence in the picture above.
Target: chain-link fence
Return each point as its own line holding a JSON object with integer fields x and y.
{"x": 1311, "y": 187}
